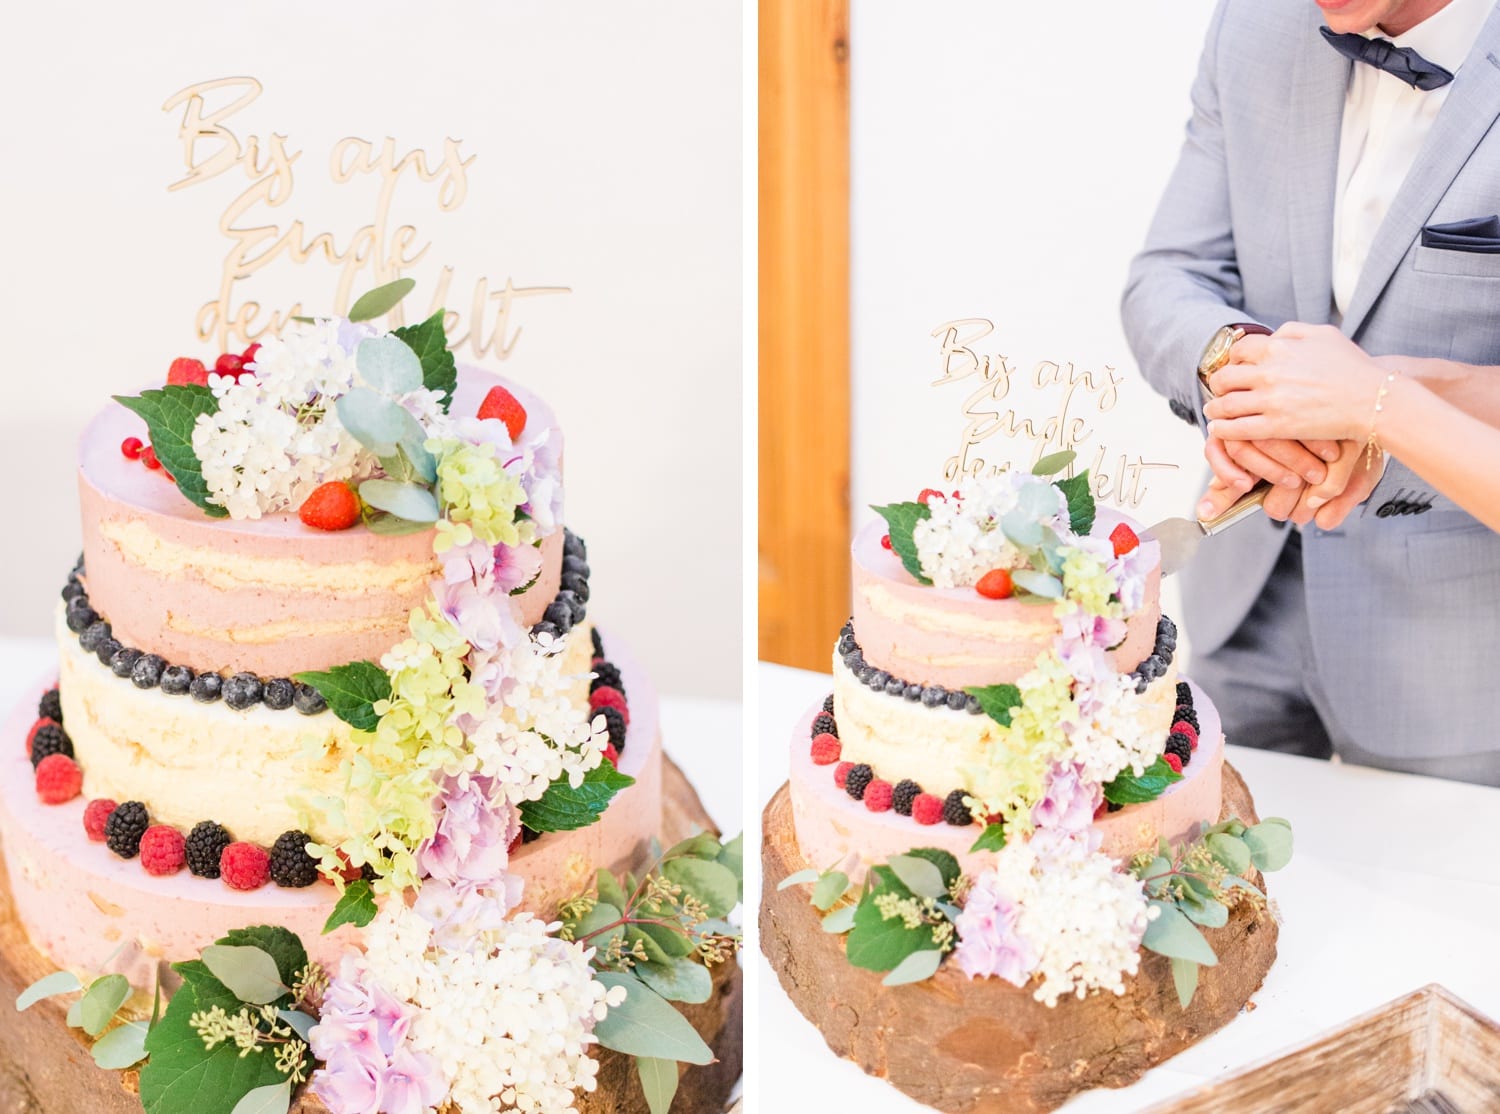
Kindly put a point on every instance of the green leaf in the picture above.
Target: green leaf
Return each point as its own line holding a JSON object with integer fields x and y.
{"x": 430, "y": 343}
{"x": 991, "y": 839}
{"x": 900, "y": 520}
{"x": 170, "y": 413}
{"x": 997, "y": 701}
{"x": 1208, "y": 913}
{"x": 1230, "y": 852}
{"x": 563, "y": 808}
{"x": 672, "y": 943}
{"x": 1053, "y": 463}
{"x": 799, "y": 878}
{"x": 732, "y": 856}
{"x": 1270, "y": 845}
{"x": 381, "y": 300}
{"x": 249, "y": 973}
{"x": 712, "y": 884}
{"x": 602, "y": 914}
{"x": 945, "y": 862}
{"x": 1080, "y": 496}
{"x": 300, "y": 1023}
{"x": 281, "y": 944}
{"x": 1042, "y": 584}
{"x": 59, "y": 982}
{"x": 351, "y": 691}
{"x": 645, "y": 1024}
{"x": 388, "y": 365}
{"x": 914, "y": 968}
{"x": 610, "y": 890}
{"x": 1185, "y": 978}
{"x": 840, "y": 920}
{"x": 356, "y": 907}
{"x": 1172, "y": 934}
{"x": 183, "y": 1077}
{"x": 1128, "y": 789}
{"x": 878, "y": 944}
{"x": 275, "y": 1099}
{"x": 122, "y": 1047}
{"x": 103, "y": 1000}
{"x": 413, "y": 502}
{"x": 831, "y": 886}
{"x": 678, "y": 980}
{"x": 658, "y": 1081}
{"x": 704, "y": 845}
{"x": 207, "y": 989}
{"x": 918, "y": 875}
{"x": 388, "y": 525}
{"x": 376, "y": 422}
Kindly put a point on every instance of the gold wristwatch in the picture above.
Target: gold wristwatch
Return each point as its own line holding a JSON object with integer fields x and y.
{"x": 1216, "y": 352}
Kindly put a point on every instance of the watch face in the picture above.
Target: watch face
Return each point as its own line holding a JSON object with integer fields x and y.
{"x": 1216, "y": 354}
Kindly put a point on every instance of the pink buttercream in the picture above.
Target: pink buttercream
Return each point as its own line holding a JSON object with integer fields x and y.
{"x": 922, "y": 647}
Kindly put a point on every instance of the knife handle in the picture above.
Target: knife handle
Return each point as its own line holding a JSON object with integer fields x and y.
{"x": 1243, "y": 507}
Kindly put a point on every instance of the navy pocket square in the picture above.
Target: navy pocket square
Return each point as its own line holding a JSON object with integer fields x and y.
{"x": 1478, "y": 234}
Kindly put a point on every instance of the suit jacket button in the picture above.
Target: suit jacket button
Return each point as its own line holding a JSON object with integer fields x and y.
{"x": 1422, "y": 508}
{"x": 1386, "y": 509}
{"x": 1180, "y": 408}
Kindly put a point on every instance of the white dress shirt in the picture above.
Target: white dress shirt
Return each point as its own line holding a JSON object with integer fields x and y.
{"x": 1385, "y": 124}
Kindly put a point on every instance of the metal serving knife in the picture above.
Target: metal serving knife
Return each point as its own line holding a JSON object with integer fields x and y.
{"x": 1180, "y": 538}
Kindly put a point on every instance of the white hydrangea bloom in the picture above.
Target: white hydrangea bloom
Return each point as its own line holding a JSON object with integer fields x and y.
{"x": 962, "y": 540}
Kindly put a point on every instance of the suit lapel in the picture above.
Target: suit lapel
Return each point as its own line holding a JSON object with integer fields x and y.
{"x": 1320, "y": 80}
{"x": 1467, "y": 114}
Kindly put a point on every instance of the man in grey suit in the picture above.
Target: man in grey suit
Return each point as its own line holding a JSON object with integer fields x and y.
{"x": 1342, "y": 165}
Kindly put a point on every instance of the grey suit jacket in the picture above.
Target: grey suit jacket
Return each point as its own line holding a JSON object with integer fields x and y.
{"x": 1404, "y": 598}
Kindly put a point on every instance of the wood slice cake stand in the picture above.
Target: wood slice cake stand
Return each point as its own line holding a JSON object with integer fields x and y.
{"x": 982, "y": 1046}
{"x": 46, "y": 1068}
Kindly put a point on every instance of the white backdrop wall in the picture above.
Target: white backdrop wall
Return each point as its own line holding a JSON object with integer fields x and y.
{"x": 1007, "y": 158}
{"x": 605, "y": 136}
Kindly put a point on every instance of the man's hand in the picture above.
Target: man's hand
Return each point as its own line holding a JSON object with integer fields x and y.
{"x": 1347, "y": 485}
{"x": 1236, "y": 480}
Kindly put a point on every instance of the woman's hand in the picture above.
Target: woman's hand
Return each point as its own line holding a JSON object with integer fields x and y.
{"x": 1304, "y": 382}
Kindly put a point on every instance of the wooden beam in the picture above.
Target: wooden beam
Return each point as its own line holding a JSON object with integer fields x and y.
{"x": 804, "y": 329}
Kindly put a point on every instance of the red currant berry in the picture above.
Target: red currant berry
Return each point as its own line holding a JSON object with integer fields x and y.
{"x": 148, "y": 458}
{"x": 131, "y": 448}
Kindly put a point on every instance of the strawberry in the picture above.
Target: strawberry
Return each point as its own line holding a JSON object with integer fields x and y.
{"x": 1124, "y": 539}
{"x": 501, "y": 404}
{"x": 185, "y": 370}
{"x": 995, "y": 585}
{"x": 331, "y": 506}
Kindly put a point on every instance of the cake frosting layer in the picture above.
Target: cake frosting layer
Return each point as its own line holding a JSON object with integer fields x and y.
{"x": 833, "y": 828}
{"x": 187, "y": 761}
{"x": 269, "y": 596}
{"x": 902, "y": 738}
{"x": 957, "y": 638}
{"x": 90, "y": 911}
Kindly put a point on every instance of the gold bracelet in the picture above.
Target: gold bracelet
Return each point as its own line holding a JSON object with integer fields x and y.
{"x": 1372, "y": 446}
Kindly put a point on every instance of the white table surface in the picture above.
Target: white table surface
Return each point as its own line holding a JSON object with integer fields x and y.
{"x": 1394, "y": 884}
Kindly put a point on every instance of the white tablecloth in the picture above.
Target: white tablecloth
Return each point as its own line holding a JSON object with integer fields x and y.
{"x": 1395, "y": 883}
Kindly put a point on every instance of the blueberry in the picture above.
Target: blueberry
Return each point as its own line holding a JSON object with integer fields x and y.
{"x": 124, "y": 661}
{"x": 206, "y": 687}
{"x": 577, "y": 585}
{"x": 573, "y": 546}
{"x": 146, "y": 672}
{"x": 107, "y": 649}
{"x": 913, "y": 692}
{"x": 176, "y": 680}
{"x": 72, "y": 590}
{"x": 80, "y": 616}
{"x": 576, "y": 565}
{"x": 544, "y": 627}
{"x": 934, "y": 695}
{"x": 279, "y": 693}
{"x": 559, "y": 615}
{"x": 878, "y": 679}
{"x": 308, "y": 700}
{"x": 854, "y": 661}
{"x": 864, "y": 673}
{"x": 93, "y": 635}
{"x": 895, "y": 686}
{"x": 958, "y": 701}
{"x": 243, "y": 690}
{"x": 973, "y": 707}
{"x": 573, "y": 603}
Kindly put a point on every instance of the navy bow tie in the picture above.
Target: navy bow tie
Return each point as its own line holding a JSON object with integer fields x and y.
{"x": 1398, "y": 61}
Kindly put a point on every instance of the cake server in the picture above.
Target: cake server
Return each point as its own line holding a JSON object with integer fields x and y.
{"x": 1180, "y": 538}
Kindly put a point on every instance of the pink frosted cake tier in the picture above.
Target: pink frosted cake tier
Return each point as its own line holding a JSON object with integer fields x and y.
{"x": 832, "y": 827}
{"x": 89, "y": 910}
{"x": 269, "y": 596}
{"x": 955, "y": 637}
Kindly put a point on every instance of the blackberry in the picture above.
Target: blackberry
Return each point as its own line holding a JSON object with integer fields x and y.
{"x": 828, "y": 703}
{"x": 124, "y": 828}
{"x": 578, "y": 586}
{"x": 529, "y": 836}
{"x": 1186, "y": 713}
{"x": 824, "y": 722}
{"x": 93, "y": 635}
{"x": 1112, "y": 806}
{"x": 107, "y": 649}
{"x": 575, "y": 566}
{"x": 1180, "y": 745}
{"x": 614, "y": 721}
{"x": 858, "y": 781}
{"x": 913, "y": 693}
{"x": 933, "y": 696}
{"x": 368, "y": 872}
{"x": 958, "y": 701}
{"x": 598, "y": 642}
{"x": 176, "y": 680}
{"x": 955, "y": 812}
{"x": 903, "y": 795}
{"x": 607, "y": 675}
{"x": 895, "y": 686}
{"x": 307, "y": 700}
{"x": 560, "y": 615}
{"x": 291, "y": 866}
{"x": 242, "y": 690}
{"x": 49, "y": 739}
{"x": 206, "y": 687}
{"x": 50, "y": 705}
{"x": 205, "y": 843}
{"x": 147, "y": 670}
{"x": 1184, "y": 693}
{"x": 279, "y": 693}
{"x": 80, "y": 616}
{"x": 123, "y": 663}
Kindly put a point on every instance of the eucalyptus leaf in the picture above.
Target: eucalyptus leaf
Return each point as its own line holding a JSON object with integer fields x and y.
{"x": 275, "y": 1099}
{"x": 1172, "y": 934}
{"x": 1270, "y": 845}
{"x": 381, "y": 300}
{"x": 388, "y": 525}
{"x": 610, "y": 890}
{"x": 945, "y": 861}
{"x": 1230, "y": 852}
{"x": 102, "y": 1001}
{"x": 704, "y": 845}
{"x": 914, "y": 968}
{"x": 658, "y": 1082}
{"x": 388, "y": 365}
{"x": 409, "y": 501}
{"x": 75, "y": 1015}
{"x": 1185, "y": 978}
{"x": 300, "y": 1023}
{"x": 376, "y": 422}
{"x": 918, "y": 875}
{"x": 1053, "y": 463}
{"x": 800, "y": 878}
{"x": 1041, "y": 584}
{"x": 595, "y": 920}
{"x": 676, "y": 943}
{"x": 59, "y": 982}
{"x": 1208, "y": 913}
{"x": 645, "y": 1024}
{"x": 841, "y": 920}
{"x": 1234, "y": 882}
{"x": 714, "y": 885}
{"x": 1038, "y": 501}
{"x": 122, "y": 1047}
{"x": 1278, "y": 821}
{"x": 830, "y": 887}
{"x": 1021, "y": 529}
{"x": 249, "y": 972}
{"x": 678, "y": 980}
{"x": 655, "y": 956}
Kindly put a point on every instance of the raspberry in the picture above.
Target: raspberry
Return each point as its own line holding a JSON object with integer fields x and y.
{"x": 290, "y": 864}
{"x": 516, "y": 842}
{"x": 614, "y": 723}
{"x": 607, "y": 697}
{"x": 331, "y": 506}
{"x": 46, "y": 739}
{"x": 878, "y": 795}
{"x": 927, "y": 809}
{"x": 95, "y": 817}
{"x": 1124, "y": 540}
{"x": 995, "y": 585}
{"x": 841, "y": 773}
{"x": 825, "y": 750}
{"x": 162, "y": 850}
{"x": 885, "y": 541}
{"x": 1173, "y": 761}
{"x": 148, "y": 458}
{"x": 503, "y": 405}
{"x": 857, "y": 780}
{"x": 186, "y": 370}
{"x": 903, "y": 795}
{"x": 824, "y": 724}
{"x": 131, "y": 448}
{"x": 927, "y": 494}
{"x": 58, "y": 779}
{"x": 244, "y": 866}
{"x": 612, "y": 754}
{"x": 204, "y": 845}
{"x": 1183, "y": 727}
{"x": 124, "y": 828}
{"x": 955, "y": 811}
{"x": 1102, "y": 809}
